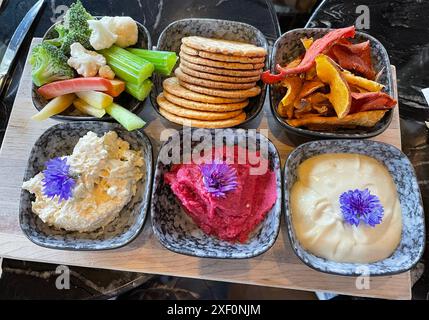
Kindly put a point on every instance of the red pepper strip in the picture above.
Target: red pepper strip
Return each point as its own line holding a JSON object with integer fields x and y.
{"x": 318, "y": 47}
{"x": 371, "y": 101}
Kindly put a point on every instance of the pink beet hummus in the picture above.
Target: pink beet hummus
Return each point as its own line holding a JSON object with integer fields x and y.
{"x": 233, "y": 217}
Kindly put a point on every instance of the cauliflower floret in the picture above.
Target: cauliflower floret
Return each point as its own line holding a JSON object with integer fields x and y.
{"x": 101, "y": 35}
{"x": 125, "y": 28}
{"x": 85, "y": 62}
{"x": 106, "y": 72}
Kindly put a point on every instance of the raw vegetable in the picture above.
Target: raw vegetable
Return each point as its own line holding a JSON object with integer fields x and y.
{"x": 87, "y": 63}
{"x": 73, "y": 37}
{"x": 62, "y": 33}
{"x": 139, "y": 92}
{"x": 126, "y": 118}
{"x": 86, "y": 108}
{"x": 75, "y": 29}
{"x": 56, "y": 106}
{"x": 76, "y": 16}
{"x": 319, "y": 46}
{"x": 340, "y": 94}
{"x": 128, "y": 66}
{"x": 49, "y": 64}
{"x": 95, "y": 98}
{"x": 59, "y": 88}
{"x": 101, "y": 37}
{"x": 106, "y": 72}
{"x": 164, "y": 61}
{"x": 125, "y": 28}
{"x": 118, "y": 86}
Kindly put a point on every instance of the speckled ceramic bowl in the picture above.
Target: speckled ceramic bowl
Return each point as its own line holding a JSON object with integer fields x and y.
{"x": 171, "y": 39}
{"x": 289, "y": 46}
{"x": 178, "y": 233}
{"x": 412, "y": 243}
{"x": 60, "y": 140}
{"x": 125, "y": 99}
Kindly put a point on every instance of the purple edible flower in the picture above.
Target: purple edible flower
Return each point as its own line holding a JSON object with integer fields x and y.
{"x": 361, "y": 205}
{"x": 219, "y": 178}
{"x": 57, "y": 181}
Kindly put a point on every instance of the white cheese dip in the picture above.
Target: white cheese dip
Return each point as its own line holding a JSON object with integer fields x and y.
{"x": 107, "y": 173}
{"x": 316, "y": 214}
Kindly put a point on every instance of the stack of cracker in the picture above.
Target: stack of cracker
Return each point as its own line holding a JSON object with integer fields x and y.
{"x": 213, "y": 83}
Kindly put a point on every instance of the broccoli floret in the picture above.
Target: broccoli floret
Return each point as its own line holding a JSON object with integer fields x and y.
{"x": 49, "y": 65}
{"x": 62, "y": 33}
{"x": 76, "y": 17}
{"x": 76, "y": 36}
{"x": 74, "y": 29}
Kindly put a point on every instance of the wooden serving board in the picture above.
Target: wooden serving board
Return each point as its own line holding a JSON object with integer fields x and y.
{"x": 279, "y": 267}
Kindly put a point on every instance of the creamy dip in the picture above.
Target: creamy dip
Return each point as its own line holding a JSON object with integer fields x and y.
{"x": 316, "y": 213}
{"x": 106, "y": 172}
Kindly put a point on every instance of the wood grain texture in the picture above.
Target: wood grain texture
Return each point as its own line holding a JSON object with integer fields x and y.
{"x": 279, "y": 267}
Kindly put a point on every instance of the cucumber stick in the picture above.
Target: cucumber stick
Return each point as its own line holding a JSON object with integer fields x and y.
{"x": 126, "y": 118}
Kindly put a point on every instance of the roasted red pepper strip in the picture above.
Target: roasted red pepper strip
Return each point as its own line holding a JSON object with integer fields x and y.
{"x": 318, "y": 47}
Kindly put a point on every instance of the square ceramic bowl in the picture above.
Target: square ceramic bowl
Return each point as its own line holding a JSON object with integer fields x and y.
{"x": 60, "y": 140}
{"x": 126, "y": 100}
{"x": 289, "y": 46}
{"x": 178, "y": 233}
{"x": 171, "y": 40}
{"x": 412, "y": 244}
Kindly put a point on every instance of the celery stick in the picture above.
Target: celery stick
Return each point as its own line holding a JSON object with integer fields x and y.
{"x": 128, "y": 66}
{"x": 139, "y": 92}
{"x": 126, "y": 118}
{"x": 164, "y": 61}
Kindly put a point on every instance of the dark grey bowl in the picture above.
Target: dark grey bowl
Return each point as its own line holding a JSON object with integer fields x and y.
{"x": 60, "y": 140}
{"x": 170, "y": 40}
{"x": 125, "y": 99}
{"x": 178, "y": 233}
{"x": 289, "y": 46}
{"x": 412, "y": 244}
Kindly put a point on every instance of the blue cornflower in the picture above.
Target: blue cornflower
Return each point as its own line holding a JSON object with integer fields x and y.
{"x": 58, "y": 181}
{"x": 361, "y": 205}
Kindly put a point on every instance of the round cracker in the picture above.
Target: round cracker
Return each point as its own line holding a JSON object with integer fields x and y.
{"x": 194, "y": 114}
{"x": 220, "y": 64}
{"x": 212, "y": 84}
{"x": 237, "y": 94}
{"x": 226, "y": 107}
{"x": 204, "y": 124}
{"x": 216, "y": 77}
{"x": 173, "y": 86}
{"x": 226, "y": 47}
{"x": 225, "y": 72}
{"x": 189, "y": 50}
{"x": 220, "y": 57}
